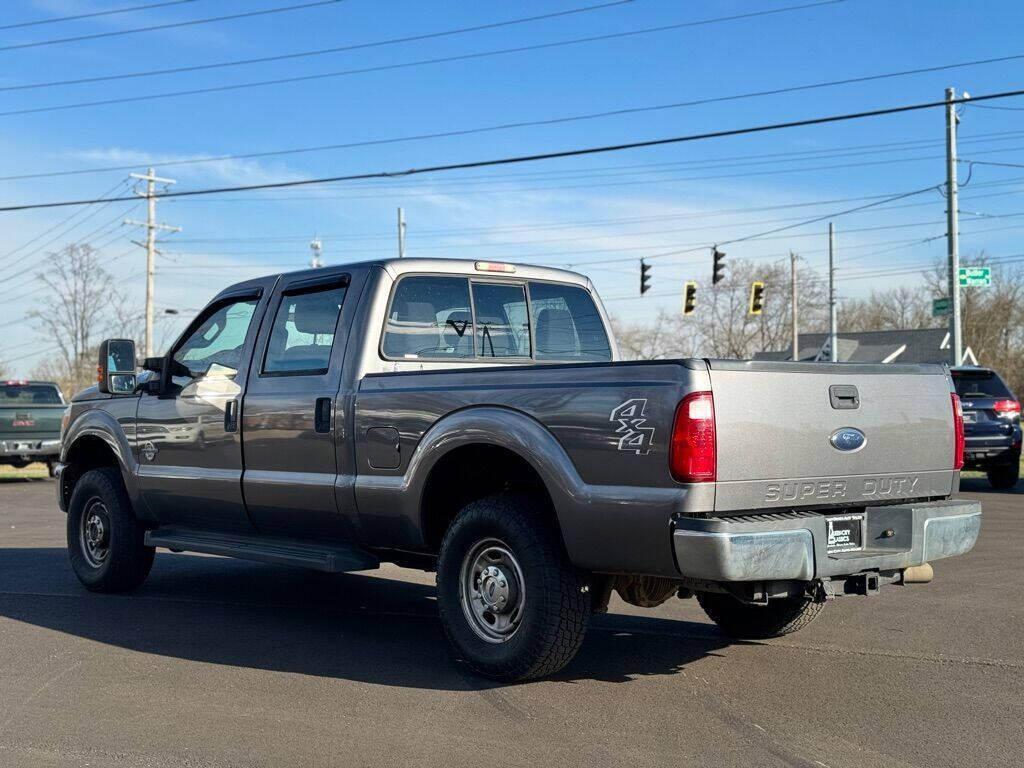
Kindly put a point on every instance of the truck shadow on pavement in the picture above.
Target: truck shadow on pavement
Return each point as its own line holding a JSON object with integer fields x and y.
{"x": 981, "y": 485}
{"x": 347, "y": 626}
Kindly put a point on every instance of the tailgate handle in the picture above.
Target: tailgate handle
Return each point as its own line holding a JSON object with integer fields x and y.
{"x": 844, "y": 397}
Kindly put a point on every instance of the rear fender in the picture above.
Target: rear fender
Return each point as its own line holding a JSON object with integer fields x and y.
{"x": 603, "y": 527}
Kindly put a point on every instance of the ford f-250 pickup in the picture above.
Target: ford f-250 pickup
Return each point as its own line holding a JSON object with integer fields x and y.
{"x": 473, "y": 418}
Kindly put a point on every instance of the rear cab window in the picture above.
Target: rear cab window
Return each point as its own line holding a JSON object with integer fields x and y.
{"x": 980, "y": 384}
{"x": 443, "y": 317}
{"x": 21, "y": 393}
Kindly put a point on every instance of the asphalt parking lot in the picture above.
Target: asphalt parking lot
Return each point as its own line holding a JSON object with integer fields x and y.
{"x": 216, "y": 662}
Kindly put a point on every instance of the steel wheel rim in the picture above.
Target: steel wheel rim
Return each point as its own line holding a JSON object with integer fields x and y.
{"x": 492, "y": 591}
{"x": 94, "y": 533}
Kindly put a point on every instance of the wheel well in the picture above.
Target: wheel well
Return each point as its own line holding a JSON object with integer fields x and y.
{"x": 88, "y": 452}
{"x": 472, "y": 472}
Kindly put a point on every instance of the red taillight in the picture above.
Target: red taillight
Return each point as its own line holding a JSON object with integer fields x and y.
{"x": 692, "y": 454}
{"x": 958, "y": 433}
{"x": 1006, "y": 407}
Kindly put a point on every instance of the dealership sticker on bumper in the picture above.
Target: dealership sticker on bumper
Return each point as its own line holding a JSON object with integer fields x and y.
{"x": 845, "y": 533}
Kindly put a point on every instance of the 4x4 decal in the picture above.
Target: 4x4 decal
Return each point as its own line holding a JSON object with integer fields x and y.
{"x": 634, "y": 435}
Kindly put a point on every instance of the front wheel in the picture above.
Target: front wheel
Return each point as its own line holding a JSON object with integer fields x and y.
{"x": 1005, "y": 477}
{"x": 105, "y": 541}
{"x": 512, "y": 605}
{"x": 758, "y": 622}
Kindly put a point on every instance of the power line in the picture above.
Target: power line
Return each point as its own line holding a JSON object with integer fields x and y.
{"x": 401, "y": 65}
{"x": 343, "y": 48}
{"x": 169, "y": 25}
{"x": 517, "y": 159}
{"x": 93, "y": 14}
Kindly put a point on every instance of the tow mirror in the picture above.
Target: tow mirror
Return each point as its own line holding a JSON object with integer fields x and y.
{"x": 116, "y": 369}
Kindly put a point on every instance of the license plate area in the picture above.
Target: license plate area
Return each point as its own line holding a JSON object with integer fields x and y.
{"x": 845, "y": 533}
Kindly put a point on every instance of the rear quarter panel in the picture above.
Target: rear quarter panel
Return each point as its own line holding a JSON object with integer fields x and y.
{"x": 597, "y": 434}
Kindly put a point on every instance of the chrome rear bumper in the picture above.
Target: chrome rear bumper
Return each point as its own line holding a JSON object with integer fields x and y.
{"x": 791, "y": 545}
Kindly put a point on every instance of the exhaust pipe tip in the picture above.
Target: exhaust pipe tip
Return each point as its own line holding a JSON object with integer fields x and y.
{"x": 918, "y": 574}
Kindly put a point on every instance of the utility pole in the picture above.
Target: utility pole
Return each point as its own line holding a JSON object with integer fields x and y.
{"x": 401, "y": 233}
{"x": 953, "y": 230}
{"x": 796, "y": 331}
{"x": 151, "y": 226}
{"x": 316, "y": 247}
{"x": 833, "y": 330}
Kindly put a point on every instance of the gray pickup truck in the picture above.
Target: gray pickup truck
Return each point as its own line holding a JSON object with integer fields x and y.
{"x": 473, "y": 418}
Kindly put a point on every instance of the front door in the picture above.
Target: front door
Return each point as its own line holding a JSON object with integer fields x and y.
{"x": 292, "y": 424}
{"x": 188, "y": 442}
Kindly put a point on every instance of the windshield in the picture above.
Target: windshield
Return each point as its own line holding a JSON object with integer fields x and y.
{"x": 30, "y": 394}
{"x": 980, "y": 384}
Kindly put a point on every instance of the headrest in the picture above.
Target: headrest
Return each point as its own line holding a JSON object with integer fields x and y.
{"x": 556, "y": 332}
{"x": 418, "y": 312}
{"x": 316, "y": 313}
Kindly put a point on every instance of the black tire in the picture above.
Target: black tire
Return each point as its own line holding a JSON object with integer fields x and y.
{"x": 51, "y": 468}
{"x": 100, "y": 496}
{"x": 1004, "y": 477}
{"x": 758, "y": 622}
{"x": 554, "y": 614}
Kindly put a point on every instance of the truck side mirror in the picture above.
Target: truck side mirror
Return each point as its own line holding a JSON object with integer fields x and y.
{"x": 116, "y": 369}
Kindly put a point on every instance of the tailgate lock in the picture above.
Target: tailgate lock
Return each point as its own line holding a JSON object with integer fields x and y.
{"x": 843, "y": 397}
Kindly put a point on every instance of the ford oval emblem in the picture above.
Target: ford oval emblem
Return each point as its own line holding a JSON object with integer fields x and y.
{"x": 847, "y": 439}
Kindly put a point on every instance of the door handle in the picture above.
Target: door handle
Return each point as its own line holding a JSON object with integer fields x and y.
{"x": 231, "y": 416}
{"x": 322, "y": 415}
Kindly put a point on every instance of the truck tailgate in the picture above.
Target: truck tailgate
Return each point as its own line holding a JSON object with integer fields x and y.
{"x": 787, "y": 434}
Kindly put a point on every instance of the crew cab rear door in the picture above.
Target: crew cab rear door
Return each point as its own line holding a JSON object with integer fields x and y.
{"x": 819, "y": 434}
{"x": 293, "y": 422}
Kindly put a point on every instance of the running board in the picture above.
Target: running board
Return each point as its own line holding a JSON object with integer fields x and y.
{"x": 301, "y": 554}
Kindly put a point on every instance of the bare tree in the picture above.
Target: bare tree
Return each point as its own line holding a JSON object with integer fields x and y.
{"x": 669, "y": 336}
{"x": 83, "y": 298}
{"x": 891, "y": 310}
{"x": 728, "y": 330}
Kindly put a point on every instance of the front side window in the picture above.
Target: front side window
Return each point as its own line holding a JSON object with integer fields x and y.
{"x": 429, "y": 317}
{"x": 215, "y": 347}
{"x": 566, "y": 324}
{"x": 303, "y": 333}
{"x": 502, "y": 328}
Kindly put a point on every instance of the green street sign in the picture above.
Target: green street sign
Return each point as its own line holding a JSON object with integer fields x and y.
{"x": 975, "y": 276}
{"x": 941, "y": 307}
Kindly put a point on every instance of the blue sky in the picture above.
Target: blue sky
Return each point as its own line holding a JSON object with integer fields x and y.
{"x": 567, "y": 212}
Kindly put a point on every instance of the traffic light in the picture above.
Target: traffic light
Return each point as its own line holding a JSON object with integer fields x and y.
{"x": 718, "y": 266}
{"x": 645, "y": 277}
{"x": 689, "y": 297}
{"x": 756, "y": 297}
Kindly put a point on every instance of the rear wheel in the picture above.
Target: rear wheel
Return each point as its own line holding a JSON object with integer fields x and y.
{"x": 105, "y": 541}
{"x": 1004, "y": 477}
{"x": 512, "y": 605}
{"x": 758, "y": 622}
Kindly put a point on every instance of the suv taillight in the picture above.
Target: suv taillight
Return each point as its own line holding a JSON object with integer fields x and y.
{"x": 692, "y": 456}
{"x": 958, "y": 433}
{"x": 1006, "y": 407}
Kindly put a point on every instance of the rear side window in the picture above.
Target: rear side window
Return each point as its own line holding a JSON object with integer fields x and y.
{"x": 30, "y": 394}
{"x": 303, "y": 333}
{"x": 430, "y": 317}
{"x": 566, "y": 324}
{"x": 980, "y": 384}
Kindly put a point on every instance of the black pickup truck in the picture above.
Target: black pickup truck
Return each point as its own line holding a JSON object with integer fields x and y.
{"x": 473, "y": 418}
